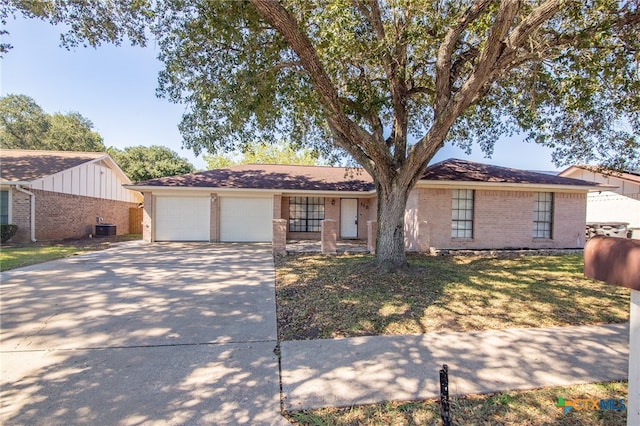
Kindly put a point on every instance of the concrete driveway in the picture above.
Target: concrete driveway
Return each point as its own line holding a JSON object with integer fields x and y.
{"x": 142, "y": 334}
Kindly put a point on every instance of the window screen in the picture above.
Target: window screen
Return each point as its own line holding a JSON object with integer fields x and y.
{"x": 4, "y": 207}
{"x": 462, "y": 213}
{"x": 542, "y": 214}
{"x": 305, "y": 214}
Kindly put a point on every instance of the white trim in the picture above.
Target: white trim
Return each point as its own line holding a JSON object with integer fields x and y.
{"x": 9, "y": 203}
{"x": 15, "y": 182}
{"x": 508, "y": 186}
{"x": 243, "y": 191}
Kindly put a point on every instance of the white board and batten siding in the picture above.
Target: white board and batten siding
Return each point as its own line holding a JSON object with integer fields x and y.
{"x": 93, "y": 179}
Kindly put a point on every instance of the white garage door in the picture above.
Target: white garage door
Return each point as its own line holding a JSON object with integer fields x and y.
{"x": 246, "y": 219}
{"x": 182, "y": 218}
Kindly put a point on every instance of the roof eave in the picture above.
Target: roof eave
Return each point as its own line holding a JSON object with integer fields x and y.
{"x": 15, "y": 182}
{"x": 508, "y": 185}
{"x": 218, "y": 190}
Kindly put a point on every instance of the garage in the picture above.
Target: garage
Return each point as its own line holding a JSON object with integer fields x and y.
{"x": 246, "y": 219}
{"x": 182, "y": 218}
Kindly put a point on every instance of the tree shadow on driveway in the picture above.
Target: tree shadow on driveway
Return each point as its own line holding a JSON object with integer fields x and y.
{"x": 166, "y": 333}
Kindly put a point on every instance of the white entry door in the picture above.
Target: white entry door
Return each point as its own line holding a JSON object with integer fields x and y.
{"x": 349, "y": 218}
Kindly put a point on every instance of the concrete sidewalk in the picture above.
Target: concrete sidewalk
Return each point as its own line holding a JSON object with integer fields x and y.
{"x": 364, "y": 370}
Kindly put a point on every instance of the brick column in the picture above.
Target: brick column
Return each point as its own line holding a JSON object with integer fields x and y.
{"x": 328, "y": 236}
{"x": 372, "y": 234}
{"x": 214, "y": 232}
{"x": 277, "y": 206}
{"x": 279, "y": 243}
{"x": 22, "y": 216}
{"x": 147, "y": 215}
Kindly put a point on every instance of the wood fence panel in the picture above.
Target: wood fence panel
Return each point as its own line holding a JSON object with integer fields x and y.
{"x": 135, "y": 220}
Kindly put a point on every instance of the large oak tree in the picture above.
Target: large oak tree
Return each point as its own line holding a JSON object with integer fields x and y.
{"x": 24, "y": 125}
{"x": 141, "y": 163}
{"x": 388, "y": 81}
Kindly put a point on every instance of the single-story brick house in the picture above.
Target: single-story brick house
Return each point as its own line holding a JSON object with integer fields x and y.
{"x": 618, "y": 203}
{"x": 455, "y": 205}
{"x": 55, "y": 195}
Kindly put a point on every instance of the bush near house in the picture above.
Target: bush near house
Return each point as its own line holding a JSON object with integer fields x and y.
{"x": 7, "y": 232}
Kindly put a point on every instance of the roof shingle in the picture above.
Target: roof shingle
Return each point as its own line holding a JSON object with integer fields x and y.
{"x": 468, "y": 171}
{"x": 18, "y": 165}
{"x": 272, "y": 176}
{"x": 314, "y": 178}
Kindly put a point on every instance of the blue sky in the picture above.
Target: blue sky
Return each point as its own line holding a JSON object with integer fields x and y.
{"x": 114, "y": 87}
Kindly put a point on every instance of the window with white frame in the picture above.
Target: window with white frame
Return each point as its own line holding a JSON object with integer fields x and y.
{"x": 542, "y": 214}
{"x": 462, "y": 213}
{"x": 306, "y": 214}
{"x": 4, "y": 207}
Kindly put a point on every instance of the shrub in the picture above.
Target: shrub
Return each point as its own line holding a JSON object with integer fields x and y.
{"x": 7, "y": 232}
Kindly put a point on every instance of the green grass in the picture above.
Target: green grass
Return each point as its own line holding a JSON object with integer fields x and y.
{"x": 11, "y": 258}
{"x": 537, "y": 407}
{"x": 343, "y": 296}
{"x": 17, "y": 256}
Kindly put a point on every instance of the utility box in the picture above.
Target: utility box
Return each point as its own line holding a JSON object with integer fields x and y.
{"x": 105, "y": 230}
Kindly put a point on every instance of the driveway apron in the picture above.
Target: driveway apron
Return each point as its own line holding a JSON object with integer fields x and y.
{"x": 171, "y": 333}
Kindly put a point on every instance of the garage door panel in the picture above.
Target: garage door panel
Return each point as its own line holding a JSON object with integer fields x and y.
{"x": 182, "y": 218}
{"x": 246, "y": 219}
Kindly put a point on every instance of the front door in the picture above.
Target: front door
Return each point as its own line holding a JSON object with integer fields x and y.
{"x": 349, "y": 218}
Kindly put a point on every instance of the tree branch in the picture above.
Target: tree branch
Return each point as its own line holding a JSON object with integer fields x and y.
{"x": 394, "y": 64}
{"x": 445, "y": 52}
{"x": 342, "y": 127}
{"x": 536, "y": 18}
{"x": 419, "y": 89}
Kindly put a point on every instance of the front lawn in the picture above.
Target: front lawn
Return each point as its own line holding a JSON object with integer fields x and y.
{"x": 537, "y": 407}
{"x": 342, "y": 296}
{"x": 18, "y": 255}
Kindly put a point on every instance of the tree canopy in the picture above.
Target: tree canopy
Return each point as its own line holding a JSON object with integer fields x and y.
{"x": 24, "y": 125}
{"x": 142, "y": 163}
{"x": 388, "y": 81}
{"x": 265, "y": 153}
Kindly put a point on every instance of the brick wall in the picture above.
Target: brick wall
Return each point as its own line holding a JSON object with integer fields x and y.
{"x": 502, "y": 219}
{"x": 60, "y": 216}
{"x": 21, "y": 215}
{"x": 570, "y": 219}
{"x": 214, "y": 231}
{"x": 365, "y": 214}
{"x": 147, "y": 218}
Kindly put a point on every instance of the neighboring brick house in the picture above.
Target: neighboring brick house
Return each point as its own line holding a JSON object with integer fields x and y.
{"x": 456, "y": 205}
{"x": 618, "y": 203}
{"x": 54, "y": 195}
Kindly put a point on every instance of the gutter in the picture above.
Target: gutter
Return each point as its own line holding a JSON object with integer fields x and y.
{"x": 33, "y": 211}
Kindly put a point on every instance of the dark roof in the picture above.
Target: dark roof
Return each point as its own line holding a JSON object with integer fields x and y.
{"x": 468, "y": 171}
{"x": 27, "y": 165}
{"x": 272, "y": 176}
{"x": 314, "y": 178}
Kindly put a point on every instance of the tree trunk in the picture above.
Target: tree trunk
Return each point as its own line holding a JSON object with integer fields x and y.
{"x": 390, "y": 252}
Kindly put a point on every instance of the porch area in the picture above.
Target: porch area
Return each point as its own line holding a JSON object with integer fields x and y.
{"x": 315, "y": 246}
